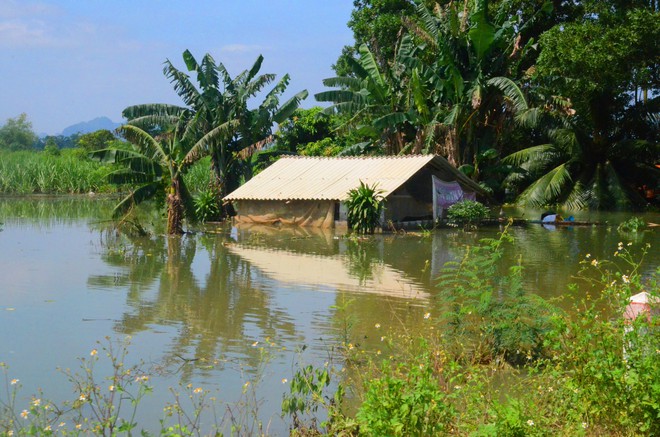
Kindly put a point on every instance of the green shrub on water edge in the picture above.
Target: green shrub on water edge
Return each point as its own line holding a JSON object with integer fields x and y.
{"x": 468, "y": 213}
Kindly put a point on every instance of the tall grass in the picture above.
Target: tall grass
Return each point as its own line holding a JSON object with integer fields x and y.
{"x": 28, "y": 172}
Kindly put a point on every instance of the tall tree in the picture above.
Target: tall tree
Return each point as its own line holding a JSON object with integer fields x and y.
{"x": 17, "y": 134}
{"x": 605, "y": 68}
{"x": 218, "y": 105}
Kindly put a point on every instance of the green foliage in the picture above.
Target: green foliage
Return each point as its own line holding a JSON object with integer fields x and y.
{"x": 206, "y": 206}
{"x": 27, "y": 172}
{"x": 609, "y": 366}
{"x": 365, "y": 205}
{"x": 303, "y": 127}
{"x": 51, "y": 148}
{"x": 306, "y": 392}
{"x": 98, "y": 140}
{"x": 17, "y": 134}
{"x": 468, "y": 213}
{"x": 487, "y": 311}
{"x": 510, "y": 421}
{"x": 405, "y": 400}
{"x": 633, "y": 224}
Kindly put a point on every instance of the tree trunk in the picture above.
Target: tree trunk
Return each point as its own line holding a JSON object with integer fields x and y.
{"x": 174, "y": 210}
{"x": 218, "y": 185}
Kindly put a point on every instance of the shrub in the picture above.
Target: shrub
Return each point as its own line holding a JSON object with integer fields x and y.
{"x": 405, "y": 401}
{"x": 206, "y": 206}
{"x": 633, "y": 224}
{"x": 489, "y": 311}
{"x": 467, "y": 213}
{"x": 365, "y": 205}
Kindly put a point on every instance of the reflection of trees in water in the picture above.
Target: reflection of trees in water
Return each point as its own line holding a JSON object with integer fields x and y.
{"x": 221, "y": 314}
{"x": 362, "y": 257}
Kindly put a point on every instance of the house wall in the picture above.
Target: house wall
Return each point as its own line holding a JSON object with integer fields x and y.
{"x": 313, "y": 213}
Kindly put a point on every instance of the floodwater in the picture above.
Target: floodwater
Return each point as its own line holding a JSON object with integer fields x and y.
{"x": 235, "y": 310}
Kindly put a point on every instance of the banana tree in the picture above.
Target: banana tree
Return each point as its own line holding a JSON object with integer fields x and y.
{"x": 158, "y": 162}
{"x": 219, "y": 103}
{"x": 464, "y": 97}
{"x": 373, "y": 100}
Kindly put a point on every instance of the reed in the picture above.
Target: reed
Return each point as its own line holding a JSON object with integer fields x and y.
{"x": 29, "y": 172}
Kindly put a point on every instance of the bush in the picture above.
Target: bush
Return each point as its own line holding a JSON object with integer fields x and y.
{"x": 467, "y": 213}
{"x": 633, "y": 224}
{"x": 206, "y": 206}
{"x": 405, "y": 401}
{"x": 365, "y": 205}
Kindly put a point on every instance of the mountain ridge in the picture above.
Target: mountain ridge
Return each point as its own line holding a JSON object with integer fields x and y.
{"x": 85, "y": 127}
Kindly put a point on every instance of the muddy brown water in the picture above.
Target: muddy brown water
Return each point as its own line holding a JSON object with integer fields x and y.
{"x": 225, "y": 306}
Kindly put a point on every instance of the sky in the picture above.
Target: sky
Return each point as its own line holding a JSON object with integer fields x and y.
{"x": 67, "y": 61}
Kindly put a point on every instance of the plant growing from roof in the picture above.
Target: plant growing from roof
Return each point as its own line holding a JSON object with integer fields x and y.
{"x": 365, "y": 205}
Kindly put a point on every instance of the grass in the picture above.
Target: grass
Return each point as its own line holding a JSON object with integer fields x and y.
{"x": 70, "y": 172}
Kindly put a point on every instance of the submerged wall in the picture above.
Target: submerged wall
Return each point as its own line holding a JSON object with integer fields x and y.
{"x": 313, "y": 213}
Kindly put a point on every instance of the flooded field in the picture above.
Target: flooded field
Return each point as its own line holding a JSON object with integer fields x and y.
{"x": 231, "y": 310}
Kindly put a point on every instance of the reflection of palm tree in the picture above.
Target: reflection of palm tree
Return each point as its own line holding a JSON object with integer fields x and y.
{"x": 213, "y": 319}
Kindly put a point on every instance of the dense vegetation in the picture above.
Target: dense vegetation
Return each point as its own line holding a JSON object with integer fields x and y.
{"x": 542, "y": 102}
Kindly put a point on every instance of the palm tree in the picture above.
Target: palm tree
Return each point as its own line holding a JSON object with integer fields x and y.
{"x": 373, "y": 100}
{"x": 159, "y": 163}
{"x": 220, "y": 103}
{"x": 572, "y": 171}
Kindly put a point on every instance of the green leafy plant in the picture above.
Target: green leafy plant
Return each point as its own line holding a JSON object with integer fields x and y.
{"x": 468, "y": 213}
{"x": 405, "y": 400}
{"x": 633, "y": 224}
{"x": 365, "y": 205}
{"x": 206, "y": 206}
{"x": 487, "y": 310}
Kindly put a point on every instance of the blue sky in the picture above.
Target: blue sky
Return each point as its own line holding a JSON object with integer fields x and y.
{"x": 68, "y": 61}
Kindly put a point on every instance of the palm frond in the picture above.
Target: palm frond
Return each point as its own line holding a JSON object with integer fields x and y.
{"x": 529, "y": 118}
{"x": 368, "y": 62}
{"x": 345, "y": 82}
{"x": 255, "y": 68}
{"x": 145, "y": 143}
{"x": 220, "y": 133}
{"x": 139, "y": 195}
{"x": 547, "y": 189}
{"x": 511, "y": 91}
{"x": 250, "y": 150}
{"x": 288, "y": 108}
{"x": 534, "y": 153}
{"x": 390, "y": 121}
{"x": 137, "y": 111}
{"x": 182, "y": 84}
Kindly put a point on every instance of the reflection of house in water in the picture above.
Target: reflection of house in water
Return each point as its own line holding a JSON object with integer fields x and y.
{"x": 330, "y": 272}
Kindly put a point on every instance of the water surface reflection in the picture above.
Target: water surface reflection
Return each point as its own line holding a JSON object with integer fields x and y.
{"x": 199, "y": 307}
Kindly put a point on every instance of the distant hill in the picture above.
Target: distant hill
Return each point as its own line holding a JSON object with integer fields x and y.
{"x": 91, "y": 126}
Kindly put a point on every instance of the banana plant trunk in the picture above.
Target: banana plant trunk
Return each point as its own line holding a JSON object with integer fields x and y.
{"x": 175, "y": 209}
{"x": 218, "y": 181}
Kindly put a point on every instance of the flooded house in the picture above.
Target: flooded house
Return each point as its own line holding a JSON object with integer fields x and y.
{"x": 312, "y": 191}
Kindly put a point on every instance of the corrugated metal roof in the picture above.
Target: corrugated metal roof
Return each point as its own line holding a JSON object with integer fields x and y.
{"x": 320, "y": 178}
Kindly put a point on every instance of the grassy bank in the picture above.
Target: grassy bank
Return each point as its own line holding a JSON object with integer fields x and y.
{"x": 70, "y": 172}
